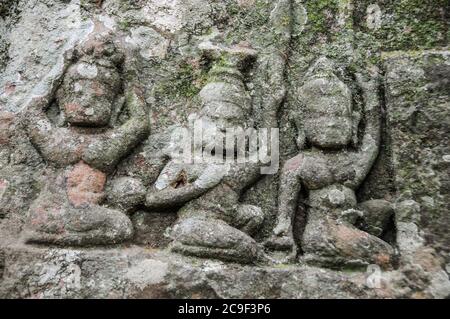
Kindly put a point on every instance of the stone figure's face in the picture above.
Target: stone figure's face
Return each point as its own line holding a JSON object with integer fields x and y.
{"x": 328, "y": 120}
{"x": 224, "y": 115}
{"x": 215, "y": 125}
{"x": 226, "y": 107}
{"x": 226, "y": 104}
{"x": 87, "y": 94}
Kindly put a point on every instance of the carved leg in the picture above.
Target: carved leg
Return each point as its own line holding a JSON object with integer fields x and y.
{"x": 249, "y": 218}
{"x": 213, "y": 238}
{"x": 73, "y": 216}
{"x": 336, "y": 244}
{"x": 126, "y": 193}
{"x": 290, "y": 185}
{"x": 64, "y": 225}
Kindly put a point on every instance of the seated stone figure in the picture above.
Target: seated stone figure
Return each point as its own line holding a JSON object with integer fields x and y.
{"x": 84, "y": 147}
{"x": 331, "y": 170}
{"x": 213, "y": 223}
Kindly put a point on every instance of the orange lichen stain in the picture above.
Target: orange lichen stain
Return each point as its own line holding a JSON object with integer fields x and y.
{"x": 349, "y": 235}
{"x": 10, "y": 88}
{"x": 6, "y": 120}
{"x": 85, "y": 185}
{"x": 97, "y": 88}
{"x": 418, "y": 295}
{"x": 73, "y": 108}
{"x": 383, "y": 260}
{"x": 427, "y": 259}
{"x": 294, "y": 163}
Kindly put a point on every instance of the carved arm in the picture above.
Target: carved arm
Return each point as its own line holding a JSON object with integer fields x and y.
{"x": 106, "y": 152}
{"x": 272, "y": 65}
{"x": 369, "y": 149}
{"x": 170, "y": 196}
{"x": 58, "y": 145}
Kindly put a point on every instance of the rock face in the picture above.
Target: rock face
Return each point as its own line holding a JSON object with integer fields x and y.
{"x": 417, "y": 98}
{"x": 224, "y": 149}
{"x": 134, "y": 272}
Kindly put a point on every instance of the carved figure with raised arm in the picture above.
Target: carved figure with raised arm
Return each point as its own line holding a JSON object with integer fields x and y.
{"x": 99, "y": 120}
{"x": 331, "y": 169}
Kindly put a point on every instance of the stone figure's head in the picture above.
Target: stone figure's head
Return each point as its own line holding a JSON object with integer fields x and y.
{"x": 328, "y": 108}
{"x": 225, "y": 100}
{"x": 92, "y": 83}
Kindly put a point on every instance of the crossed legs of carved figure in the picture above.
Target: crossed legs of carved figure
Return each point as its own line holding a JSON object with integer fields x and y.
{"x": 224, "y": 234}
{"x": 330, "y": 236}
{"x": 68, "y": 212}
{"x": 332, "y": 242}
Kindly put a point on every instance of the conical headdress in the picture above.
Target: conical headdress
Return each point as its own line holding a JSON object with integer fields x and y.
{"x": 226, "y": 82}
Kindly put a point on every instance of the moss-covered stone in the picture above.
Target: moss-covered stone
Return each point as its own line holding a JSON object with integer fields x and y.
{"x": 408, "y": 24}
{"x": 418, "y": 112}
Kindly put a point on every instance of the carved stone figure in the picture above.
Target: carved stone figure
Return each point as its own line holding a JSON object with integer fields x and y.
{"x": 213, "y": 223}
{"x": 99, "y": 120}
{"x": 331, "y": 170}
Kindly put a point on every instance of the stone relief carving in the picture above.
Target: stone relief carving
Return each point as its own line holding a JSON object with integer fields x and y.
{"x": 83, "y": 145}
{"x": 87, "y": 136}
{"x": 331, "y": 169}
{"x": 98, "y": 160}
{"x": 213, "y": 223}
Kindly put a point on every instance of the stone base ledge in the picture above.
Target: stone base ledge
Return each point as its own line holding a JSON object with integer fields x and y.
{"x": 137, "y": 272}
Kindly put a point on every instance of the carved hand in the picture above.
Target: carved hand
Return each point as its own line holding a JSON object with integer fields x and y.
{"x": 179, "y": 184}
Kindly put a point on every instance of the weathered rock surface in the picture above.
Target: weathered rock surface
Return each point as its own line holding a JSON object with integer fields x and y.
{"x": 135, "y": 272}
{"x": 418, "y": 108}
{"x": 94, "y": 181}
